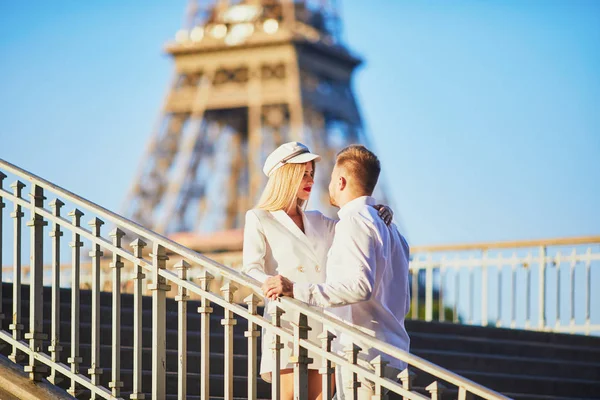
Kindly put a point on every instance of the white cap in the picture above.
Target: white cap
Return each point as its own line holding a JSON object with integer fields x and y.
{"x": 288, "y": 153}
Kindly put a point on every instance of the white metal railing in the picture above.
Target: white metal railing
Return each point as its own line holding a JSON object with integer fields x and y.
{"x": 540, "y": 285}
{"x": 154, "y": 267}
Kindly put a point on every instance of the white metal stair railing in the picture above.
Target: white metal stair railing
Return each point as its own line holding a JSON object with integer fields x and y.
{"x": 542, "y": 285}
{"x": 163, "y": 279}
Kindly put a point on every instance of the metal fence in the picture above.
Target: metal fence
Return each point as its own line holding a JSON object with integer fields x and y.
{"x": 543, "y": 285}
{"x": 43, "y": 362}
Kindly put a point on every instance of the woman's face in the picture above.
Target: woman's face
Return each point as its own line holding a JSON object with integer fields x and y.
{"x": 307, "y": 182}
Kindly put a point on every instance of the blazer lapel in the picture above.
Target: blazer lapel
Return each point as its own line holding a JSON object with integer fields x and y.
{"x": 291, "y": 226}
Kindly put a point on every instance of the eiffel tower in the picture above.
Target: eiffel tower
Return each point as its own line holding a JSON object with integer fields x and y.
{"x": 249, "y": 75}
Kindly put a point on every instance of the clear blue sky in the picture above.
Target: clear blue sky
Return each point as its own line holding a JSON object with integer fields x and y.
{"x": 486, "y": 114}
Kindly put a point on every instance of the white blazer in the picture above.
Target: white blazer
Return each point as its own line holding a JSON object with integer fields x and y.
{"x": 274, "y": 245}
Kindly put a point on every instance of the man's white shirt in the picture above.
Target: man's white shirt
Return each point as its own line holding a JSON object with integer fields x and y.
{"x": 366, "y": 277}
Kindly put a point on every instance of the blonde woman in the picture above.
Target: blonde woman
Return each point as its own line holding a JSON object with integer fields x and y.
{"x": 280, "y": 238}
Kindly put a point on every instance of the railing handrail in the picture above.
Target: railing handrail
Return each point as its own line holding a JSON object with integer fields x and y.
{"x": 568, "y": 241}
{"x": 237, "y": 277}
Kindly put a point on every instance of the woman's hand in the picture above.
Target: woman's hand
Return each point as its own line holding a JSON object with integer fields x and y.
{"x": 277, "y": 286}
{"x": 385, "y": 213}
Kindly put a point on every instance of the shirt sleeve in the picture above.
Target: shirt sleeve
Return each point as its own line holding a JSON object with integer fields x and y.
{"x": 254, "y": 248}
{"x": 353, "y": 252}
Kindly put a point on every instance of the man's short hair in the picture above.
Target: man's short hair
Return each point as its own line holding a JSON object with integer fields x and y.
{"x": 362, "y": 164}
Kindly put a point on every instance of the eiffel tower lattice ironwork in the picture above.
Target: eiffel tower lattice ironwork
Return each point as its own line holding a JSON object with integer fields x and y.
{"x": 249, "y": 75}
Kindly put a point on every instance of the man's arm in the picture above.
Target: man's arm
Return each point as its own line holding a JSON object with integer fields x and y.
{"x": 353, "y": 260}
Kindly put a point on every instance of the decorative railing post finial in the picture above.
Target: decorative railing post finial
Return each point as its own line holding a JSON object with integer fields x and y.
{"x": 436, "y": 389}
{"x": 379, "y": 364}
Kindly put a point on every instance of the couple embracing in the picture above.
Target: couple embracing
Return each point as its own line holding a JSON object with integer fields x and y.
{"x": 355, "y": 267}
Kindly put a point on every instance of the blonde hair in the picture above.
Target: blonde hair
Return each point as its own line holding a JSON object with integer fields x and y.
{"x": 281, "y": 190}
{"x": 362, "y": 164}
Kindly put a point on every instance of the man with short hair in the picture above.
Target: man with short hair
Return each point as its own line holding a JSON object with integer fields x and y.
{"x": 367, "y": 268}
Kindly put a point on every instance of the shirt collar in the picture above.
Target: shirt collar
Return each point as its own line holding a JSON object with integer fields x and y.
{"x": 355, "y": 204}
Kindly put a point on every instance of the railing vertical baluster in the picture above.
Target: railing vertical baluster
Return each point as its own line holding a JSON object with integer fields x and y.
{"x": 252, "y": 334}
{"x": 471, "y": 290}
{"x": 436, "y": 389}
{"x": 456, "y": 295}
{"x": 463, "y": 394}
{"x": 528, "y": 291}
{"x": 276, "y": 314}
{"x": 513, "y": 291}
{"x": 484, "y": 288}
{"x": 429, "y": 289}
{"x": 352, "y": 357}
{"x": 228, "y": 323}
{"x": 573, "y": 264}
{"x": 96, "y": 254}
{"x": 379, "y": 366}
{"x": 500, "y": 267}
{"x": 327, "y": 370}
{"x": 138, "y": 249}
{"x": 300, "y": 357}
{"x": 588, "y": 288}
{"x": 35, "y": 335}
{"x": 2, "y": 205}
{"x": 558, "y": 261}
{"x": 75, "y": 245}
{"x": 116, "y": 265}
{"x": 542, "y": 289}
{"x": 159, "y": 290}
{"x": 182, "y": 298}
{"x": 414, "y": 273}
{"x": 55, "y": 348}
{"x": 407, "y": 377}
{"x": 205, "y": 310}
{"x": 442, "y": 312}
{"x": 16, "y": 327}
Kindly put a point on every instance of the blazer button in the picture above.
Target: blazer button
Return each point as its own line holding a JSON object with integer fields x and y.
{"x": 300, "y": 268}
{"x": 318, "y": 268}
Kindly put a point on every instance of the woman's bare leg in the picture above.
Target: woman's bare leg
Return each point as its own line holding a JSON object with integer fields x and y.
{"x": 315, "y": 381}
{"x": 315, "y": 385}
{"x": 287, "y": 384}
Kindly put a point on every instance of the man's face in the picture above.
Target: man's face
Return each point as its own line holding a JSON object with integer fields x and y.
{"x": 334, "y": 186}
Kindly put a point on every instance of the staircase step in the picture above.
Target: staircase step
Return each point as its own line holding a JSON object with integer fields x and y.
{"x": 216, "y": 337}
{"x": 85, "y": 296}
{"x": 127, "y": 315}
{"x": 413, "y": 326}
{"x": 438, "y": 340}
{"x": 217, "y": 359}
{"x": 510, "y": 364}
{"x": 530, "y": 384}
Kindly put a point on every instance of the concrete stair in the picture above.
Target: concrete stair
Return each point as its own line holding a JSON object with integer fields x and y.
{"x": 521, "y": 364}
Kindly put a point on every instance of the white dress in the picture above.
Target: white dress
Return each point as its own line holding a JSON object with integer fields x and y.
{"x": 275, "y": 245}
